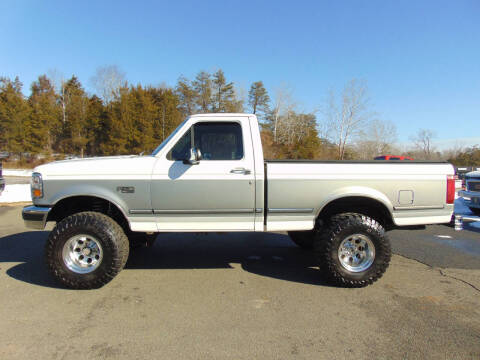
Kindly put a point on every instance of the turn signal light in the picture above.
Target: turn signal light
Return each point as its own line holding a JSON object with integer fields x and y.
{"x": 36, "y": 186}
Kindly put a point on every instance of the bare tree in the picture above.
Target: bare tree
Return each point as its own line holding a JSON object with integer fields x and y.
{"x": 454, "y": 151}
{"x": 240, "y": 95}
{"x": 295, "y": 127}
{"x": 107, "y": 81}
{"x": 282, "y": 105}
{"x": 423, "y": 141}
{"x": 347, "y": 118}
{"x": 378, "y": 138}
{"x": 58, "y": 80}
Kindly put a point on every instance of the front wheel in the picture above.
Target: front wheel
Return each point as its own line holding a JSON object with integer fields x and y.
{"x": 86, "y": 250}
{"x": 353, "y": 251}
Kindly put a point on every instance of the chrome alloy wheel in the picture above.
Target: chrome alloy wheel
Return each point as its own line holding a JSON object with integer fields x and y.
{"x": 356, "y": 253}
{"x": 82, "y": 254}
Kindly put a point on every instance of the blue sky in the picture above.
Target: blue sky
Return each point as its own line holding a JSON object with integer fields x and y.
{"x": 421, "y": 59}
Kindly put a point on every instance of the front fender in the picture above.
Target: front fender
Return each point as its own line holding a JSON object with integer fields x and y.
{"x": 85, "y": 190}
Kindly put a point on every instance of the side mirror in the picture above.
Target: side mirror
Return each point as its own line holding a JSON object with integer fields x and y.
{"x": 195, "y": 157}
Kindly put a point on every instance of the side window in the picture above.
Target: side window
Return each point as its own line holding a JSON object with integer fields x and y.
{"x": 181, "y": 150}
{"x": 219, "y": 140}
{"x": 216, "y": 141}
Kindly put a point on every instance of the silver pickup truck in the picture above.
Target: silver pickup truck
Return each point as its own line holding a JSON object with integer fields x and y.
{"x": 210, "y": 175}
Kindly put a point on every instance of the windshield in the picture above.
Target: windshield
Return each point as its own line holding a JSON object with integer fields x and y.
{"x": 167, "y": 139}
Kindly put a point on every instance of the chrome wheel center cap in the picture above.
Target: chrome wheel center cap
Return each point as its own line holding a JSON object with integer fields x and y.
{"x": 86, "y": 251}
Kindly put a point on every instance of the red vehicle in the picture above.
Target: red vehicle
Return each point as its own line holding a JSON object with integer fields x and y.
{"x": 392, "y": 157}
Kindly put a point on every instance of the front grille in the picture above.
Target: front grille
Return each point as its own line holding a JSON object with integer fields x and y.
{"x": 473, "y": 185}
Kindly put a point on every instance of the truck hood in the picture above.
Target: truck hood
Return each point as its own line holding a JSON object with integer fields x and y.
{"x": 98, "y": 166}
{"x": 473, "y": 174}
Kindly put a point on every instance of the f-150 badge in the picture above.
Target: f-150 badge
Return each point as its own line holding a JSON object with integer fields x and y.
{"x": 126, "y": 189}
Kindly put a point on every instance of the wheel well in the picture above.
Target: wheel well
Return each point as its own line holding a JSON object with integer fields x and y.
{"x": 76, "y": 204}
{"x": 358, "y": 204}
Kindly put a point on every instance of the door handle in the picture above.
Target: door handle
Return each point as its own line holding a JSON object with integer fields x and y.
{"x": 240, "y": 171}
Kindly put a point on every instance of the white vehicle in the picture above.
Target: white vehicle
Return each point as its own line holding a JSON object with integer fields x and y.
{"x": 210, "y": 175}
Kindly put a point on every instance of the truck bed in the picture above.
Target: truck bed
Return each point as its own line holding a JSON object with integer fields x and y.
{"x": 412, "y": 191}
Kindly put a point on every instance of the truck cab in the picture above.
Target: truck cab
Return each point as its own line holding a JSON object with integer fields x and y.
{"x": 209, "y": 176}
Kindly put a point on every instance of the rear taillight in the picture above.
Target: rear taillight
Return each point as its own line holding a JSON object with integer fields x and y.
{"x": 450, "y": 189}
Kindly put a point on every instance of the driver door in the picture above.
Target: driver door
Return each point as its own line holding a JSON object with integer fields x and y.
{"x": 217, "y": 193}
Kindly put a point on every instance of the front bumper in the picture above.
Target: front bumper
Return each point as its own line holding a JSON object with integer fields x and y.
{"x": 462, "y": 219}
{"x": 2, "y": 185}
{"x": 35, "y": 217}
{"x": 472, "y": 198}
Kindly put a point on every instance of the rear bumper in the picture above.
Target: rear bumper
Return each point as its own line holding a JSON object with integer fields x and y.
{"x": 35, "y": 217}
{"x": 2, "y": 185}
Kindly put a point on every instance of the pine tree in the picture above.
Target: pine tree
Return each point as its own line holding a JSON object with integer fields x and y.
{"x": 116, "y": 125}
{"x": 94, "y": 126}
{"x": 186, "y": 95}
{"x": 45, "y": 117}
{"x": 14, "y": 115}
{"x": 202, "y": 86}
{"x": 223, "y": 93}
{"x": 169, "y": 115}
{"x": 258, "y": 99}
{"x": 76, "y": 103}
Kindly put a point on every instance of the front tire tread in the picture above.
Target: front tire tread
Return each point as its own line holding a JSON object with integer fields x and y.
{"x": 114, "y": 241}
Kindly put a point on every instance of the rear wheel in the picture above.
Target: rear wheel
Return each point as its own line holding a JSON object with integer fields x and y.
{"x": 353, "y": 251}
{"x": 86, "y": 250}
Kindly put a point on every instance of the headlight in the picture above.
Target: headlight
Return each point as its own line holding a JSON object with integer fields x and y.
{"x": 36, "y": 186}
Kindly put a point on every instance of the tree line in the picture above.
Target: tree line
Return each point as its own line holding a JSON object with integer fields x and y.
{"x": 60, "y": 117}
{"x": 67, "y": 120}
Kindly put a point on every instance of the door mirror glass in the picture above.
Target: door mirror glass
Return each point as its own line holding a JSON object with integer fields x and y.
{"x": 194, "y": 158}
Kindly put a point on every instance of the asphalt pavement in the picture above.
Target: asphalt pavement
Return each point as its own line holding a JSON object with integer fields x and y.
{"x": 243, "y": 296}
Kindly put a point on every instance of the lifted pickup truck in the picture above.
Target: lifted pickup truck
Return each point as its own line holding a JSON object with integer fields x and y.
{"x": 210, "y": 175}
